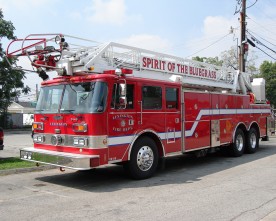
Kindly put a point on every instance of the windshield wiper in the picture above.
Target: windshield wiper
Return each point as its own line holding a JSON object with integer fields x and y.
{"x": 39, "y": 110}
{"x": 67, "y": 110}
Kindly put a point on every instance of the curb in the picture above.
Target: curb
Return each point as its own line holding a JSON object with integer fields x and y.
{"x": 25, "y": 170}
{"x": 9, "y": 131}
{"x": 270, "y": 217}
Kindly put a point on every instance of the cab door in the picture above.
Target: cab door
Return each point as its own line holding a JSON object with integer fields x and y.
{"x": 122, "y": 121}
{"x": 172, "y": 119}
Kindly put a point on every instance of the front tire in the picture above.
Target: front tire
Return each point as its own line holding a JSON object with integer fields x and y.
{"x": 143, "y": 159}
{"x": 238, "y": 145}
{"x": 252, "y": 141}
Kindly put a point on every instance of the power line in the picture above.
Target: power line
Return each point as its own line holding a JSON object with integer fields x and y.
{"x": 209, "y": 45}
{"x": 265, "y": 53}
{"x": 260, "y": 43}
{"x": 252, "y": 4}
{"x": 261, "y": 37}
{"x": 261, "y": 26}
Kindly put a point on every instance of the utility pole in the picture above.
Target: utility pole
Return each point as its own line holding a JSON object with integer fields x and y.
{"x": 243, "y": 37}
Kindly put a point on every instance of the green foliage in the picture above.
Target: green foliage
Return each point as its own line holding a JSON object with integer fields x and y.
{"x": 268, "y": 72}
{"x": 229, "y": 59}
{"x": 11, "y": 80}
{"x": 209, "y": 60}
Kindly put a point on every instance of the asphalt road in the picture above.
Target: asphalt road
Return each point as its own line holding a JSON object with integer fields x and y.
{"x": 14, "y": 140}
{"x": 210, "y": 188}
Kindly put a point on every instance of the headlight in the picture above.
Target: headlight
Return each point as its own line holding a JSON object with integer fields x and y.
{"x": 80, "y": 141}
{"x": 39, "y": 138}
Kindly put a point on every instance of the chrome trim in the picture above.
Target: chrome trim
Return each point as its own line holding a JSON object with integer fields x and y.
{"x": 183, "y": 128}
{"x": 59, "y": 159}
{"x": 215, "y": 133}
{"x": 115, "y": 161}
{"x": 81, "y": 124}
{"x": 200, "y": 148}
{"x": 234, "y": 131}
{"x": 68, "y": 140}
{"x": 250, "y": 125}
{"x": 174, "y": 154}
{"x": 141, "y": 114}
{"x": 79, "y": 138}
{"x": 38, "y": 135}
{"x": 56, "y": 140}
{"x": 137, "y": 136}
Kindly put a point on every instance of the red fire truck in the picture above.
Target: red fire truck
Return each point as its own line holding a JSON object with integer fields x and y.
{"x": 116, "y": 104}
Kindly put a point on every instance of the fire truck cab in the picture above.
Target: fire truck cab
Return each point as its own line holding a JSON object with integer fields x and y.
{"x": 113, "y": 103}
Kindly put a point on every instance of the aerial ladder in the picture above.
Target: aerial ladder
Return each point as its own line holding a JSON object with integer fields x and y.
{"x": 52, "y": 52}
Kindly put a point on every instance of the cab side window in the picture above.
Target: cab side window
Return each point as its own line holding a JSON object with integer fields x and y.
{"x": 115, "y": 101}
{"x": 172, "y": 98}
{"x": 152, "y": 97}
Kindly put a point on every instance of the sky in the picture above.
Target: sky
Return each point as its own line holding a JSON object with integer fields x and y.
{"x": 183, "y": 28}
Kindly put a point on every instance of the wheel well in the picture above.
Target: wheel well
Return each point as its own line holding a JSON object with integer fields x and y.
{"x": 157, "y": 141}
{"x": 256, "y": 126}
{"x": 242, "y": 127}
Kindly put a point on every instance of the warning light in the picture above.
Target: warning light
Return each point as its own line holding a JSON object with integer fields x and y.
{"x": 79, "y": 127}
{"x": 126, "y": 71}
{"x": 38, "y": 126}
{"x": 91, "y": 68}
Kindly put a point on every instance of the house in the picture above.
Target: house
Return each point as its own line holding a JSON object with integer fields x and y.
{"x": 22, "y": 107}
{"x": 21, "y": 113}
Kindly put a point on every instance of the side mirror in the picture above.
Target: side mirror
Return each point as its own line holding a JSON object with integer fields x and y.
{"x": 122, "y": 89}
{"x": 122, "y": 97}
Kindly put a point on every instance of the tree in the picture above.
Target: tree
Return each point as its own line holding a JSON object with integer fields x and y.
{"x": 209, "y": 60}
{"x": 229, "y": 59}
{"x": 11, "y": 80}
{"x": 268, "y": 72}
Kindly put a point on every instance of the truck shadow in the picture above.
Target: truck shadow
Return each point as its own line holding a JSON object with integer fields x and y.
{"x": 181, "y": 169}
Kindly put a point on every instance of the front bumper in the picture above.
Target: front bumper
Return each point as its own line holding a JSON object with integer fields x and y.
{"x": 60, "y": 159}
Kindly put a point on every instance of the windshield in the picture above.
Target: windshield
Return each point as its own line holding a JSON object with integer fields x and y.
{"x": 87, "y": 97}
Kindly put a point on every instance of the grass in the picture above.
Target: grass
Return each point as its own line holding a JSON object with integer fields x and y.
{"x": 14, "y": 163}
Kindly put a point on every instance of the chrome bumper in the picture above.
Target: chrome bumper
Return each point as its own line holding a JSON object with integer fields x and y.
{"x": 60, "y": 159}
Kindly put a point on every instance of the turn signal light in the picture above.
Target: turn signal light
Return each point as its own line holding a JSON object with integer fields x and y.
{"x": 79, "y": 127}
{"x": 38, "y": 126}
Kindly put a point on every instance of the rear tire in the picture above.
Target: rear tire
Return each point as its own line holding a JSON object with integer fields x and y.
{"x": 238, "y": 145}
{"x": 143, "y": 159}
{"x": 252, "y": 141}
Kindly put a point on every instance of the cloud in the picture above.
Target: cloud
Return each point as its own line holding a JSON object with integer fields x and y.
{"x": 110, "y": 12}
{"x": 216, "y": 24}
{"x": 12, "y": 5}
{"x": 146, "y": 41}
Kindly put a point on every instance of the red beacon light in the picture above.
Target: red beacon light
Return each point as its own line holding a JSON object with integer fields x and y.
{"x": 109, "y": 72}
{"x": 119, "y": 71}
{"x": 126, "y": 71}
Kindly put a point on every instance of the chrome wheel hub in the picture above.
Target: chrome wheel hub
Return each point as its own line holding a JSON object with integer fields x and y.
{"x": 239, "y": 142}
{"x": 253, "y": 141}
{"x": 145, "y": 158}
